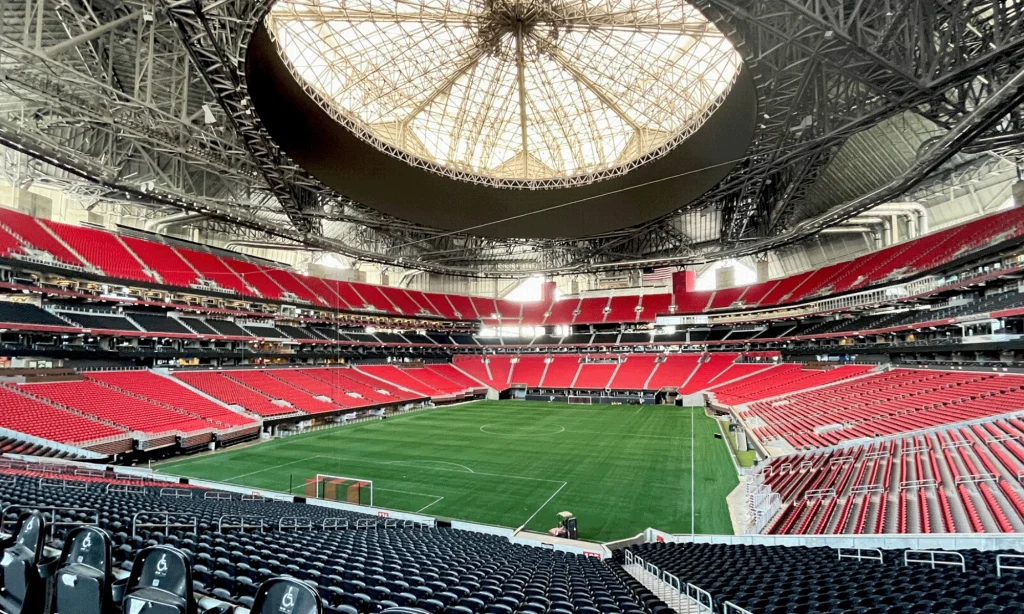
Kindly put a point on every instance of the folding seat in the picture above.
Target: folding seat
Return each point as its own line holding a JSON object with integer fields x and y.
{"x": 203, "y": 576}
{"x": 359, "y": 601}
{"x": 84, "y": 582}
{"x": 433, "y": 606}
{"x": 245, "y": 587}
{"x": 160, "y": 583}
{"x": 485, "y": 596}
{"x": 222, "y": 579}
{"x": 286, "y": 596}
{"x": 24, "y": 570}
{"x": 378, "y": 593}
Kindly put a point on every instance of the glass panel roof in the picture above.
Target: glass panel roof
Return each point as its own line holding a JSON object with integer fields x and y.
{"x": 510, "y": 93}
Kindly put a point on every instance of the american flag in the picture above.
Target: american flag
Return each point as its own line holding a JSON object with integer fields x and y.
{"x": 657, "y": 275}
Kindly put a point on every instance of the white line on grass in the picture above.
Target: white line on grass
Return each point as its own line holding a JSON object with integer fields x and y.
{"x": 302, "y": 460}
{"x": 435, "y": 498}
{"x": 525, "y": 434}
{"x": 543, "y": 505}
{"x": 429, "y": 504}
{"x": 377, "y": 462}
{"x": 412, "y": 462}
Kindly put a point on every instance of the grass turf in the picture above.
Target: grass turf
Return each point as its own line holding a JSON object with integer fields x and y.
{"x": 620, "y": 469}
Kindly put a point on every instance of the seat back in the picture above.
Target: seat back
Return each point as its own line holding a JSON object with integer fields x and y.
{"x": 160, "y": 583}
{"x": 22, "y": 587}
{"x": 83, "y": 579}
{"x": 286, "y": 596}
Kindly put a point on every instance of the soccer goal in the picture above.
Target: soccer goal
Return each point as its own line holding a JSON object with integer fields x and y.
{"x": 581, "y": 400}
{"x": 357, "y": 491}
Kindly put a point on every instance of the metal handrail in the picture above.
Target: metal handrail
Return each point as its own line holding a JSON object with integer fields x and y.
{"x": 295, "y": 522}
{"x": 52, "y": 509}
{"x": 177, "y": 493}
{"x": 128, "y": 489}
{"x": 932, "y": 561}
{"x": 167, "y": 525}
{"x": 241, "y": 525}
{"x": 860, "y": 556}
{"x": 62, "y": 484}
{"x": 335, "y": 523}
{"x": 684, "y": 590}
{"x": 701, "y": 597}
{"x": 217, "y": 495}
{"x": 1000, "y": 567}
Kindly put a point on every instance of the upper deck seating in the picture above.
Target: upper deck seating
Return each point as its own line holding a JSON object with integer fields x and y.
{"x": 102, "y": 249}
{"x": 163, "y": 260}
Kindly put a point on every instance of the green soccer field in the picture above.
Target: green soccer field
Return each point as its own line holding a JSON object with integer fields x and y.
{"x": 620, "y": 469}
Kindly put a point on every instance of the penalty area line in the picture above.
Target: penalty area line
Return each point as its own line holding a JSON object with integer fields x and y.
{"x": 245, "y": 475}
{"x": 543, "y": 505}
{"x": 429, "y": 504}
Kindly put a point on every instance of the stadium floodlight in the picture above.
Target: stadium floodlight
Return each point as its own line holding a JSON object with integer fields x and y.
{"x": 511, "y": 93}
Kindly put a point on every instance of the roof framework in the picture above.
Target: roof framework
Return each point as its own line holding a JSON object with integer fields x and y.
{"x": 510, "y": 93}
{"x": 143, "y": 107}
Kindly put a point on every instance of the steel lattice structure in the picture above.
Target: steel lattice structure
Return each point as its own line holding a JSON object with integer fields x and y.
{"x": 510, "y": 93}
{"x": 143, "y": 107}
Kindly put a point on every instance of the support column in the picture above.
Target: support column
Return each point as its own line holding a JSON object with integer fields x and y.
{"x": 762, "y": 270}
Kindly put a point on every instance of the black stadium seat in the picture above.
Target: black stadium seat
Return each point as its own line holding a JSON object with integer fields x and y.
{"x": 286, "y": 596}
{"x": 160, "y": 583}
{"x": 84, "y": 582}
{"x": 23, "y": 583}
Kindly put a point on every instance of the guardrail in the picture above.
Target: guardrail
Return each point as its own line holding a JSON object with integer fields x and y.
{"x": 53, "y": 522}
{"x": 128, "y": 489}
{"x": 177, "y": 493}
{"x": 297, "y": 523}
{"x": 1000, "y": 567}
{"x": 931, "y": 559}
{"x": 166, "y": 525}
{"x": 859, "y": 554}
{"x": 686, "y": 597}
{"x": 241, "y": 522}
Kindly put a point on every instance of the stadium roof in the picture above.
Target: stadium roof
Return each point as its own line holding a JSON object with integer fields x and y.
{"x": 511, "y": 92}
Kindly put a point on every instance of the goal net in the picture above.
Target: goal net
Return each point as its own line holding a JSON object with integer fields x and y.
{"x": 357, "y": 491}
{"x": 581, "y": 400}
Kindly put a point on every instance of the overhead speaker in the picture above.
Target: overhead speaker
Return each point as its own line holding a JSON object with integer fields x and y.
{"x": 1017, "y": 190}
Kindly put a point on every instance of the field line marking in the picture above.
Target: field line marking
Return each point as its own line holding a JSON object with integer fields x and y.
{"x": 263, "y": 445}
{"x": 523, "y": 435}
{"x": 301, "y": 460}
{"x": 406, "y": 462}
{"x": 626, "y": 435}
{"x": 409, "y": 492}
{"x": 377, "y": 462}
{"x": 496, "y": 475}
{"x": 543, "y": 505}
{"x": 429, "y": 504}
